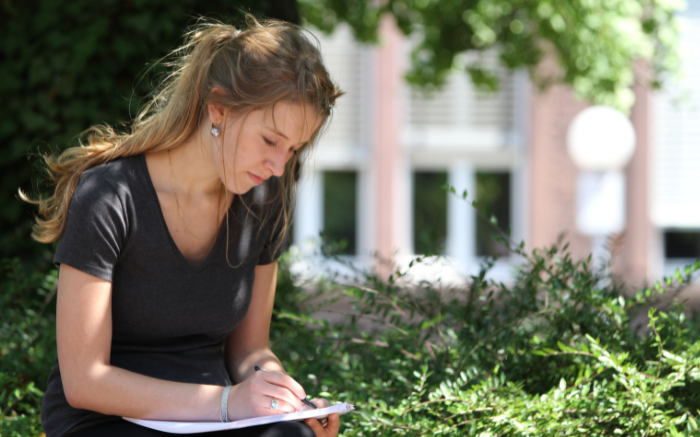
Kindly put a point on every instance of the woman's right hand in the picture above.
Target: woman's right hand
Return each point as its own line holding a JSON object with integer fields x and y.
{"x": 253, "y": 397}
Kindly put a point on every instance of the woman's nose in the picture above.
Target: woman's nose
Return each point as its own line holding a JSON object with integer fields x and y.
{"x": 276, "y": 161}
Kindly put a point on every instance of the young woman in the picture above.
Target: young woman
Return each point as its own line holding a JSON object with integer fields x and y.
{"x": 169, "y": 236}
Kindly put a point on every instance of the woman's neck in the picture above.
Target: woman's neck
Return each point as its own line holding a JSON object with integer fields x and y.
{"x": 193, "y": 166}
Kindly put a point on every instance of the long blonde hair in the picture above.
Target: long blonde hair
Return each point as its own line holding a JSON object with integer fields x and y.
{"x": 265, "y": 63}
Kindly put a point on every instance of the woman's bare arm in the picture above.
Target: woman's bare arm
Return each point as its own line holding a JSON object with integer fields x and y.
{"x": 84, "y": 335}
{"x": 249, "y": 344}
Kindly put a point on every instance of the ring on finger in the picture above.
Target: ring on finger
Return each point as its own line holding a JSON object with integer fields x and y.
{"x": 273, "y": 404}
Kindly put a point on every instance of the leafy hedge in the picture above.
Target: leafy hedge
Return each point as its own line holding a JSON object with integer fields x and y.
{"x": 553, "y": 354}
{"x": 27, "y": 345}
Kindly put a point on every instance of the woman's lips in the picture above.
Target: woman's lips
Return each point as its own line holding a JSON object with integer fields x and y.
{"x": 257, "y": 180}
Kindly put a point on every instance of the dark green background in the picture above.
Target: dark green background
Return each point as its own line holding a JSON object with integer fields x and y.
{"x": 340, "y": 211}
{"x": 429, "y": 212}
{"x": 67, "y": 65}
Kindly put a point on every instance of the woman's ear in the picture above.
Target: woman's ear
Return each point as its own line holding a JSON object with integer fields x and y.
{"x": 217, "y": 112}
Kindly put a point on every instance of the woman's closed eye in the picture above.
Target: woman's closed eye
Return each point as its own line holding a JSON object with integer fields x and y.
{"x": 269, "y": 143}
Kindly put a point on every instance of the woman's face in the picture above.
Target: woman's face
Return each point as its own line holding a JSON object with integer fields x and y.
{"x": 257, "y": 146}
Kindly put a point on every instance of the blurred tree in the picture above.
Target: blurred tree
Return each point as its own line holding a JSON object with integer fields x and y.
{"x": 67, "y": 65}
{"x": 596, "y": 43}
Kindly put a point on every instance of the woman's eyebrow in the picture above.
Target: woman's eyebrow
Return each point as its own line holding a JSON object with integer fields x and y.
{"x": 274, "y": 130}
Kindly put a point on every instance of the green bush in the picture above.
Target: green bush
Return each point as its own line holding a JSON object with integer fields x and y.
{"x": 555, "y": 353}
{"x": 27, "y": 344}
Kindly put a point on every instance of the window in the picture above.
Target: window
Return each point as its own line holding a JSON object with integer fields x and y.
{"x": 493, "y": 198}
{"x": 675, "y": 177}
{"x": 429, "y": 212}
{"x": 340, "y": 211}
{"x": 682, "y": 243}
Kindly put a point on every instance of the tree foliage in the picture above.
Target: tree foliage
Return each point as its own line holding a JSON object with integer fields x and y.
{"x": 596, "y": 43}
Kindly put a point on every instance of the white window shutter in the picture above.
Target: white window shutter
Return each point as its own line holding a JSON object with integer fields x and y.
{"x": 459, "y": 104}
{"x": 675, "y": 186}
{"x": 343, "y": 57}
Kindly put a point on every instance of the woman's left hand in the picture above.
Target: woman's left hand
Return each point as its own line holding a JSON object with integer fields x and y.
{"x": 330, "y": 429}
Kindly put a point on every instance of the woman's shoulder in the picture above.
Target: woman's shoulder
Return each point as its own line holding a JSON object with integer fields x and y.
{"x": 100, "y": 218}
{"x": 117, "y": 176}
{"x": 117, "y": 170}
{"x": 114, "y": 184}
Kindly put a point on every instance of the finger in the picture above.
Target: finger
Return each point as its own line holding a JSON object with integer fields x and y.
{"x": 282, "y": 394}
{"x": 316, "y": 427}
{"x": 333, "y": 424}
{"x": 261, "y": 385}
{"x": 282, "y": 407}
{"x": 285, "y": 381}
{"x": 321, "y": 403}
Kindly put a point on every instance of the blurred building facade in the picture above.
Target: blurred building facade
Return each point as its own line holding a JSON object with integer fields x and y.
{"x": 375, "y": 181}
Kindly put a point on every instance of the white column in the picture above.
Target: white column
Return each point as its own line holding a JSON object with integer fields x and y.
{"x": 403, "y": 223}
{"x": 520, "y": 171}
{"x": 365, "y": 211}
{"x": 308, "y": 220}
{"x": 366, "y": 181}
{"x": 461, "y": 217}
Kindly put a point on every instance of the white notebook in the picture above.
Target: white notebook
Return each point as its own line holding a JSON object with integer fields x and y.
{"x": 192, "y": 427}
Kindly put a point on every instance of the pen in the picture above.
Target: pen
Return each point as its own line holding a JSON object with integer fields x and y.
{"x": 306, "y": 401}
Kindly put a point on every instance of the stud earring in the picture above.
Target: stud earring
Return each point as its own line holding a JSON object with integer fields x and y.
{"x": 214, "y": 131}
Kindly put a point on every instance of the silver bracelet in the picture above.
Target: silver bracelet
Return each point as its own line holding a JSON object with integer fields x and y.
{"x": 223, "y": 415}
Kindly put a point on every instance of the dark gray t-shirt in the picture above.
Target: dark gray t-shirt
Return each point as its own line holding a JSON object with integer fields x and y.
{"x": 169, "y": 317}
